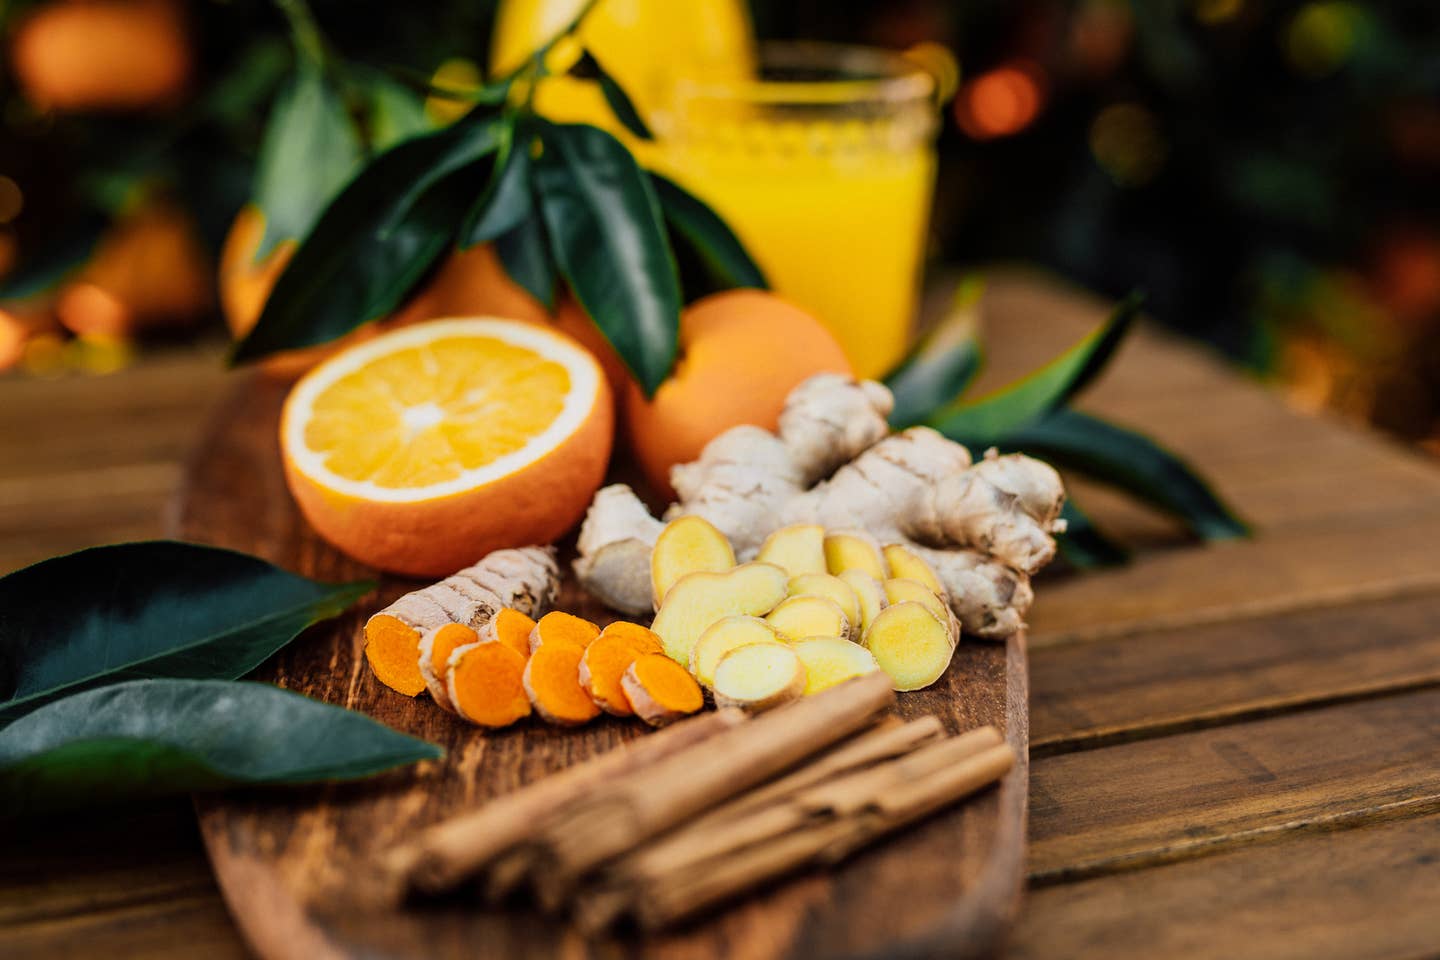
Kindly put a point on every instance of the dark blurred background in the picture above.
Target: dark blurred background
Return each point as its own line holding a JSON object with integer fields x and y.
{"x": 1267, "y": 172}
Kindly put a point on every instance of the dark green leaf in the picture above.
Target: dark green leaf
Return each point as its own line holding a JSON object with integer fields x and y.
{"x": 525, "y": 255}
{"x": 378, "y": 238}
{"x": 721, "y": 252}
{"x": 508, "y": 202}
{"x": 1132, "y": 462}
{"x": 154, "y": 609}
{"x": 55, "y": 259}
{"x": 1082, "y": 543}
{"x": 615, "y": 95}
{"x": 942, "y": 365}
{"x": 604, "y": 226}
{"x": 149, "y": 737}
{"x": 396, "y": 112}
{"x": 309, "y": 151}
{"x": 990, "y": 419}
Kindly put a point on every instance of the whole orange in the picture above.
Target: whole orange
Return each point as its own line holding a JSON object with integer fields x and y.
{"x": 741, "y": 353}
{"x": 102, "y": 54}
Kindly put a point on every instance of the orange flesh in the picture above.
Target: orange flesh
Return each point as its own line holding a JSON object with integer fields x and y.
{"x": 393, "y": 649}
{"x": 668, "y": 683}
{"x": 488, "y": 687}
{"x": 552, "y": 679}
{"x": 608, "y": 657}
{"x": 512, "y": 628}
{"x": 560, "y": 627}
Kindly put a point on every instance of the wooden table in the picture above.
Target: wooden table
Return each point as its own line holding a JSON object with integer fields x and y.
{"x": 1236, "y": 747}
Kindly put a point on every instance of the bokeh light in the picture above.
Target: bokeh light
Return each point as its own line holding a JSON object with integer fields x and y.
{"x": 12, "y": 200}
{"x": 1214, "y": 12}
{"x": 1321, "y": 37}
{"x": 1001, "y": 102}
{"x": 1126, "y": 141}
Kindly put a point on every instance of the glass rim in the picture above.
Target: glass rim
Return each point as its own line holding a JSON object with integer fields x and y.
{"x": 883, "y": 77}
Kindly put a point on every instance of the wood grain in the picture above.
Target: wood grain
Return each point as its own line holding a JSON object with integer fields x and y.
{"x": 947, "y": 887}
{"x": 1142, "y": 803}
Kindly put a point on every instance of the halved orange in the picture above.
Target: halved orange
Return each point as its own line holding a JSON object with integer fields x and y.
{"x": 422, "y": 450}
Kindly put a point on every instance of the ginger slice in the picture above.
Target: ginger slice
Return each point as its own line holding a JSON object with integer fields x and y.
{"x": 510, "y": 627}
{"x": 830, "y": 660}
{"x": 869, "y": 594}
{"x": 560, "y": 627}
{"x": 485, "y": 684}
{"x": 911, "y": 644}
{"x": 687, "y": 545}
{"x": 900, "y": 590}
{"x": 660, "y": 689}
{"x": 799, "y": 548}
{"x": 720, "y": 638}
{"x": 758, "y": 676}
{"x": 552, "y": 682}
{"x": 828, "y": 585}
{"x": 854, "y": 550}
{"x": 436, "y": 645}
{"x": 699, "y": 599}
{"x": 809, "y": 616}
{"x": 608, "y": 657}
{"x": 909, "y": 565}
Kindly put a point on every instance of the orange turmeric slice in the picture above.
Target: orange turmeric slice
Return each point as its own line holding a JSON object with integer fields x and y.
{"x": 486, "y": 684}
{"x": 660, "y": 690}
{"x": 392, "y": 646}
{"x": 436, "y": 645}
{"x": 512, "y": 628}
{"x": 608, "y": 657}
{"x": 560, "y": 627}
{"x": 552, "y": 682}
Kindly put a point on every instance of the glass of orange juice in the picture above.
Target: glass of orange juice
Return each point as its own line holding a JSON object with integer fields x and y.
{"x": 824, "y": 165}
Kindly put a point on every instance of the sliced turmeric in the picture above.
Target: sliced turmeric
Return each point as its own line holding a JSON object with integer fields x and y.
{"x": 560, "y": 627}
{"x": 660, "y": 690}
{"x": 608, "y": 657}
{"x": 436, "y": 645}
{"x": 512, "y": 628}
{"x": 552, "y": 681}
{"x": 485, "y": 684}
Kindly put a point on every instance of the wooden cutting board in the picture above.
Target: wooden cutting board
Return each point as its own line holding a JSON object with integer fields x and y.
{"x": 947, "y": 887}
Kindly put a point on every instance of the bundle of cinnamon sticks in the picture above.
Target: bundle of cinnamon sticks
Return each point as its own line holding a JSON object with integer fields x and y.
{"x": 695, "y": 814}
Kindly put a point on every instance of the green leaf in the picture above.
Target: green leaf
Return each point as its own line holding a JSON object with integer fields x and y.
{"x": 1082, "y": 543}
{"x": 943, "y": 364}
{"x": 990, "y": 419}
{"x": 396, "y": 112}
{"x": 525, "y": 255}
{"x": 723, "y": 255}
{"x": 56, "y": 258}
{"x": 149, "y": 737}
{"x": 309, "y": 151}
{"x": 378, "y": 238}
{"x": 619, "y": 101}
{"x": 1132, "y": 462}
{"x": 508, "y": 202}
{"x": 154, "y": 609}
{"x": 604, "y": 226}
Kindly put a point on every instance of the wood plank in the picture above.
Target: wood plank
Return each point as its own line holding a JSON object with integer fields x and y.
{"x": 1164, "y": 682}
{"x": 1361, "y": 894}
{"x": 1142, "y": 803}
{"x": 182, "y": 926}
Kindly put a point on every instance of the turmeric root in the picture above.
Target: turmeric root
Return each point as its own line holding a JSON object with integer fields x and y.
{"x": 868, "y": 594}
{"x": 900, "y": 590}
{"x": 983, "y": 528}
{"x": 687, "y": 545}
{"x": 720, "y": 638}
{"x": 510, "y": 627}
{"x": 699, "y": 599}
{"x": 809, "y": 616}
{"x": 825, "y": 585}
{"x": 911, "y": 644}
{"x": 558, "y": 626}
{"x": 524, "y": 579}
{"x": 436, "y": 645}
{"x": 799, "y": 548}
{"x": 909, "y": 565}
{"x": 552, "y": 683}
{"x": 608, "y": 657}
{"x": 485, "y": 684}
{"x": 854, "y": 550}
{"x": 830, "y": 660}
{"x": 661, "y": 690}
{"x": 758, "y": 676}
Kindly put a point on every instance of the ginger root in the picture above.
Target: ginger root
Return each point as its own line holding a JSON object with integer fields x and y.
{"x": 900, "y": 590}
{"x": 525, "y": 580}
{"x": 809, "y": 616}
{"x": 910, "y": 644}
{"x": 758, "y": 676}
{"x": 799, "y": 548}
{"x": 699, "y": 599}
{"x": 983, "y": 528}
{"x": 868, "y": 593}
{"x": 687, "y": 545}
{"x": 720, "y": 638}
{"x": 830, "y": 660}
{"x": 606, "y": 659}
{"x": 661, "y": 690}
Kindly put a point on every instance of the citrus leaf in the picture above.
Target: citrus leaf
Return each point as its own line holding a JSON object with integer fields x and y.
{"x": 507, "y": 202}
{"x": 1134, "y": 463}
{"x": 377, "y": 239}
{"x": 154, "y": 609}
{"x": 396, "y": 112}
{"x": 724, "y": 257}
{"x": 605, "y": 230}
{"x": 149, "y": 737}
{"x": 990, "y": 419}
{"x": 1082, "y": 543}
{"x": 525, "y": 255}
{"x": 942, "y": 364}
{"x": 619, "y": 101}
{"x": 310, "y": 149}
